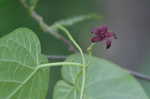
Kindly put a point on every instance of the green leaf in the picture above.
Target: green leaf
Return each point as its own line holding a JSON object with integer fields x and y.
{"x": 74, "y": 20}
{"x": 20, "y": 56}
{"x": 104, "y": 80}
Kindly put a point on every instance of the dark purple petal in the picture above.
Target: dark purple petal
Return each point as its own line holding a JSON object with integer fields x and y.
{"x": 100, "y": 30}
{"x": 96, "y": 39}
{"x": 102, "y": 34}
{"x": 108, "y": 44}
{"x": 94, "y": 31}
{"x": 109, "y": 34}
{"x": 103, "y": 29}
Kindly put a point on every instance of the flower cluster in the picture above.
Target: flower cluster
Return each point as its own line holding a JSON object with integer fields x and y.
{"x": 102, "y": 34}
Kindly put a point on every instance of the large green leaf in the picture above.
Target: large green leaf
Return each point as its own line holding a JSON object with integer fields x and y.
{"x": 20, "y": 56}
{"x": 104, "y": 80}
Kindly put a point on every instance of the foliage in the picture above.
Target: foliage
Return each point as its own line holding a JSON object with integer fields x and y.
{"x": 21, "y": 76}
{"x": 104, "y": 80}
{"x": 24, "y": 70}
{"x": 19, "y": 59}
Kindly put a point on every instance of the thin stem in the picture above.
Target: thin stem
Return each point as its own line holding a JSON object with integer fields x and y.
{"x": 134, "y": 73}
{"x": 36, "y": 70}
{"x": 83, "y": 82}
{"x": 90, "y": 49}
{"x": 139, "y": 75}
{"x": 55, "y": 57}
{"x": 73, "y": 41}
{"x": 45, "y": 27}
{"x": 83, "y": 59}
{"x": 60, "y": 64}
{"x": 67, "y": 42}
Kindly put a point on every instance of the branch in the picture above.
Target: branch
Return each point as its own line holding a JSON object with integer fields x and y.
{"x": 134, "y": 73}
{"x": 55, "y": 57}
{"x": 139, "y": 75}
{"x": 46, "y": 28}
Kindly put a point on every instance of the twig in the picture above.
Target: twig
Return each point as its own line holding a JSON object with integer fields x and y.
{"x": 134, "y": 73}
{"x": 55, "y": 57}
{"x": 46, "y": 28}
{"x": 139, "y": 75}
{"x": 68, "y": 43}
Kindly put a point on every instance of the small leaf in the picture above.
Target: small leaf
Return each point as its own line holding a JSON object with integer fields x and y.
{"x": 104, "y": 80}
{"x": 20, "y": 56}
{"x": 74, "y": 20}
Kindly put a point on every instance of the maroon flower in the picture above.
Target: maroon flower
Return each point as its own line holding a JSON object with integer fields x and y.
{"x": 102, "y": 34}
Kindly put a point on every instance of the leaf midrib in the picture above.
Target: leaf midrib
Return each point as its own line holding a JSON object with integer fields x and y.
{"x": 23, "y": 83}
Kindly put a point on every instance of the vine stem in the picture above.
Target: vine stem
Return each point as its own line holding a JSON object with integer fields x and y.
{"x": 83, "y": 59}
{"x": 73, "y": 41}
{"x": 37, "y": 69}
{"x": 60, "y": 63}
{"x": 133, "y": 73}
{"x": 46, "y": 28}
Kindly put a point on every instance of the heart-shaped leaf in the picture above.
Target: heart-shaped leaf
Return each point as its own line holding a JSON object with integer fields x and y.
{"x": 104, "y": 80}
{"x": 20, "y": 56}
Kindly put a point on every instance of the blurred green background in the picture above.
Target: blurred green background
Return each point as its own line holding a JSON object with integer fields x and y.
{"x": 130, "y": 19}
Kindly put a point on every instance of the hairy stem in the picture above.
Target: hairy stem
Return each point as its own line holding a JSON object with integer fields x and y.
{"x": 46, "y": 28}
